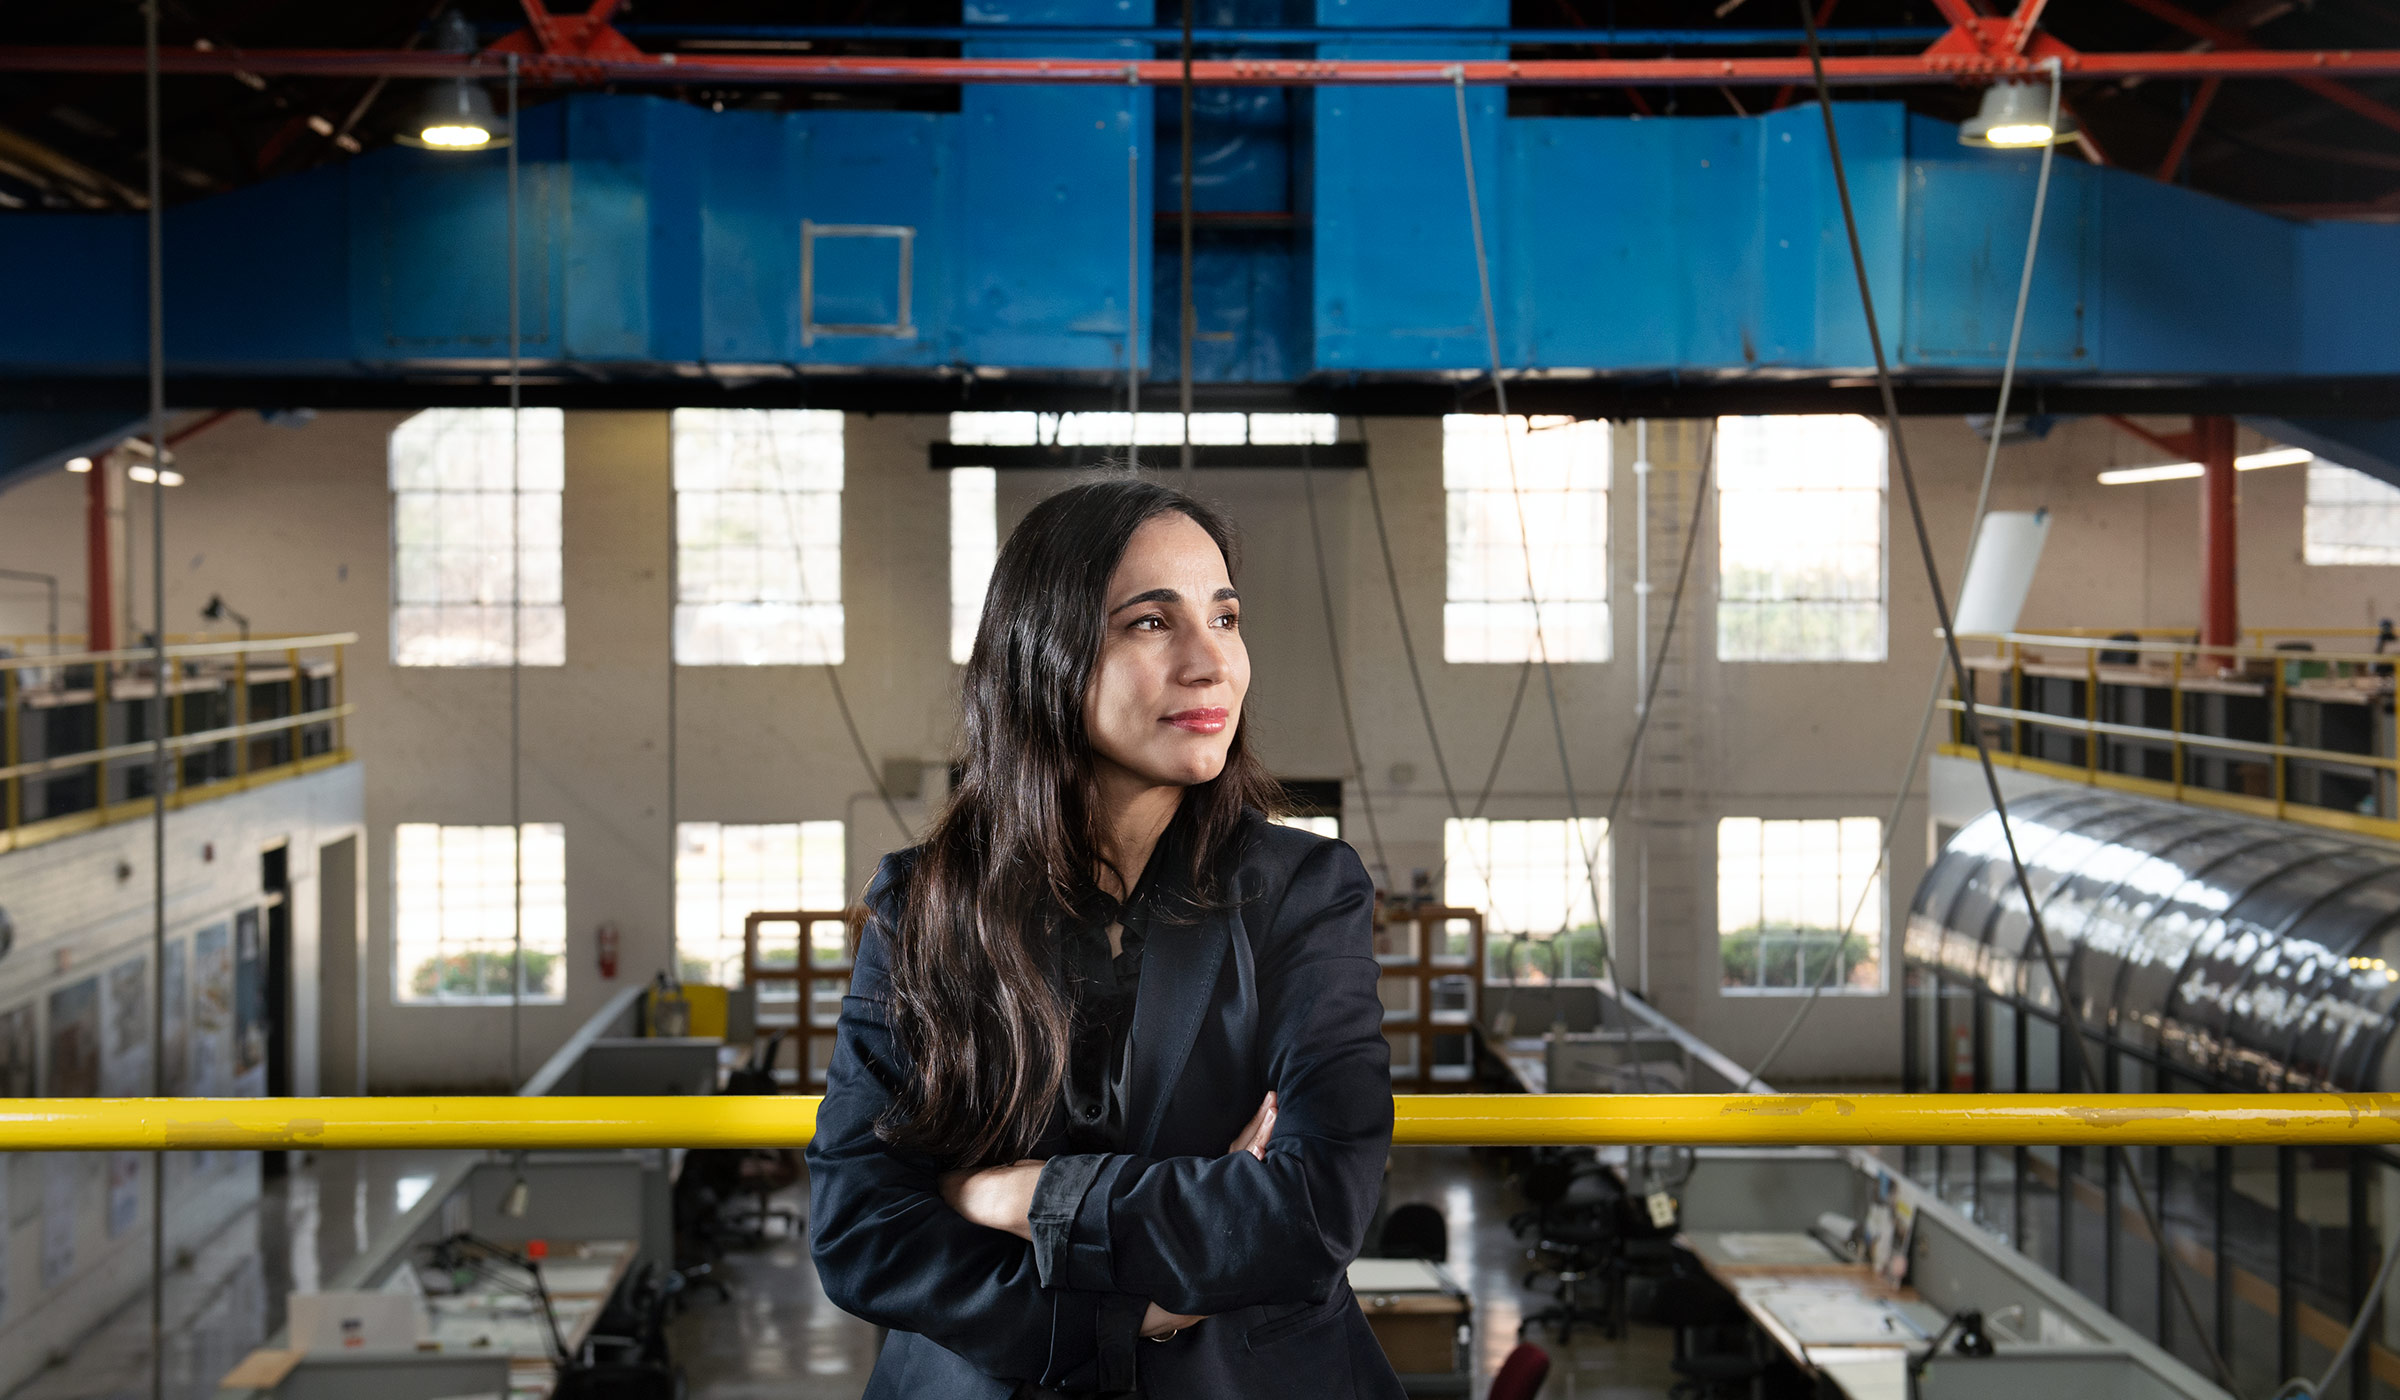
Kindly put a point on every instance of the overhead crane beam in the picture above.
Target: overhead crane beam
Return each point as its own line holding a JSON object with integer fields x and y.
{"x": 1503, "y": 1120}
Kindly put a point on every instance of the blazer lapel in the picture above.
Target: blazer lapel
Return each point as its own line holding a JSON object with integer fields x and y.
{"x": 1180, "y": 963}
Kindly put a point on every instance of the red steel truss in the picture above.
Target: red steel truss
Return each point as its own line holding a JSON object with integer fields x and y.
{"x": 561, "y": 49}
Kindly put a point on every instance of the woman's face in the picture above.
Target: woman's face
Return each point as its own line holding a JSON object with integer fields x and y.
{"x": 1166, "y": 696}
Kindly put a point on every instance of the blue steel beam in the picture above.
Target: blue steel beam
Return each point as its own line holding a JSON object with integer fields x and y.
{"x": 661, "y": 241}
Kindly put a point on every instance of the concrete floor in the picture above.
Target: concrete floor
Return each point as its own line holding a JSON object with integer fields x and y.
{"x": 777, "y": 1338}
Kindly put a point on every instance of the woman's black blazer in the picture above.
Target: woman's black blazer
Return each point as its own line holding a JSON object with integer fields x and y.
{"x": 1274, "y": 990}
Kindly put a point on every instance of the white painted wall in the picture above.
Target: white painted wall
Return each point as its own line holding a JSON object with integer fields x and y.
{"x": 82, "y": 905}
{"x": 292, "y": 525}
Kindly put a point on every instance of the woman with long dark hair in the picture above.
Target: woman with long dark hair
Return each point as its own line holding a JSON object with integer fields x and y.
{"x": 1110, "y": 1101}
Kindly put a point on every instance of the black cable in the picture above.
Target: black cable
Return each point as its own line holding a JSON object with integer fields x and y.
{"x": 1533, "y": 594}
{"x": 1189, "y": 315}
{"x": 1333, "y": 649}
{"x": 833, "y": 675}
{"x": 1507, "y": 730}
{"x": 1966, "y": 690}
{"x": 1408, "y": 645}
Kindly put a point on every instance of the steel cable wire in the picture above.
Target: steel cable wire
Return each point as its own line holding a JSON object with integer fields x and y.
{"x": 2038, "y": 931}
{"x": 1333, "y": 648}
{"x": 1983, "y": 498}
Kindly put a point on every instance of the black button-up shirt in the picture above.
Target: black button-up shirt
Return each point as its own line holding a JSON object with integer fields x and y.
{"x": 1101, "y": 989}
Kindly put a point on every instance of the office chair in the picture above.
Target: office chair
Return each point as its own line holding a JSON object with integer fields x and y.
{"x": 1414, "y": 1231}
{"x": 1522, "y": 1374}
{"x": 1576, "y": 1244}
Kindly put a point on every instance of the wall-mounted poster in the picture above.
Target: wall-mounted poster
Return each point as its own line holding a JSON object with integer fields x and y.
{"x": 124, "y": 1191}
{"x": 176, "y": 1003}
{"x": 249, "y": 996}
{"x": 125, "y": 1015}
{"x": 75, "y": 1040}
{"x": 212, "y": 1009}
{"x": 19, "y": 1054}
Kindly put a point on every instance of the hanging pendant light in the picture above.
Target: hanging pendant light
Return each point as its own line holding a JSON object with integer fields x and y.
{"x": 456, "y": 113}
{"x": 2015, "y": 116}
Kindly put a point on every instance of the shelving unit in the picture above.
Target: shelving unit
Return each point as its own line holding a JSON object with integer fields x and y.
{"x": 1432, "y": 958}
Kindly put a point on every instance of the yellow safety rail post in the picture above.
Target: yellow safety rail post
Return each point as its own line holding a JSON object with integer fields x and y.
{"x": 10, "y": 744}
{"x": 2091, "y": 714}
{"x": 299, "y": 702}
{"x": 2278, "y": 732}
{"x": 341, "y": 690}
{"x": 2175, "y": 715}
{"x": 241, "y": 715}
{"x": 100, "y": 735}
{"x": 1503, "y": 1120}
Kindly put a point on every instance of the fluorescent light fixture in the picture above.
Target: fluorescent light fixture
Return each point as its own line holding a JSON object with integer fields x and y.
{"x": 2015, "y": 116}
{"x": 147, "y": 475}
{"x": 2134, "y": 476}
{"x": 2177, "y": 471}
{"x": 79, "y": 465}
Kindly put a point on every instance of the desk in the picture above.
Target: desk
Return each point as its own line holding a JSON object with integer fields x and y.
{"x": 580, "y": 1278}
{"x": 1834, "y": 1317}
{"x": 1420, "y": 1318}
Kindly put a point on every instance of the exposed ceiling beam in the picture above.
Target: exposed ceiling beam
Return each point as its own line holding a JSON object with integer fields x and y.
{"x": 2236, "y": 41}
{"x": 2189, "y": 128}
{"x": 80, "y": 181}
{"x": 2309, "y": 66}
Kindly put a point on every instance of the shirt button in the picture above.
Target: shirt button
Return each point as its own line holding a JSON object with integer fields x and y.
{"x": 1091, "y": 1113}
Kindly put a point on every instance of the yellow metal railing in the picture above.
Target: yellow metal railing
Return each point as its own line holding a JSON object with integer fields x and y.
{"x": 1500, "y": 1120}
{"x": 2174, "y": 663}
{"x": 231, "y": 751}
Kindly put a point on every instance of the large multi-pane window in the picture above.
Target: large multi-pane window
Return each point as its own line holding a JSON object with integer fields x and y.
{"x": 1785, "y": 894}
{"x": 975, "y": 491}
{"x": 1800, "y": 524}
{"x": 455, "y": 921}
{"x": 475, "y": 538}
{"x": 974, "y": 547}
{"x": 725, "y": 872}
{"x": 2352, "y": 517}
{"x": 1543, "y": 889}
{"x": 758, "y": 532}
{"x": 1528, "y": 539}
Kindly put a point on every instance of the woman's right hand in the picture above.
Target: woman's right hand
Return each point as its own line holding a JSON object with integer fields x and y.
{"x": 1253, "y": 1139}
{"x": 1159, "y": 1323}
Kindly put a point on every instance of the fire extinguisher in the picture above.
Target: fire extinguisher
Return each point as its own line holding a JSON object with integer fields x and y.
{"x": 608, "y": 950}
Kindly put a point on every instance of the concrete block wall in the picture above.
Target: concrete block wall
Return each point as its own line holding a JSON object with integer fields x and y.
{"x": 292, "y": 525}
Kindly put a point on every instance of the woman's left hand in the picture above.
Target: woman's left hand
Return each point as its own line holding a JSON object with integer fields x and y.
{"x": 997, "y": 1198}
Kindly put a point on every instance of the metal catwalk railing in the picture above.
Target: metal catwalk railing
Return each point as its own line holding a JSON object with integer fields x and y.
{"x": 1500, "y": 1120}
{"x": 2275, "y": 727}
{"x": 77, "y": 749}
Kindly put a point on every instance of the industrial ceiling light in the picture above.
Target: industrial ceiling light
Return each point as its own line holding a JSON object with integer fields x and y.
{"x": 456, "y": 113}
{"x": 2015, "y": 116}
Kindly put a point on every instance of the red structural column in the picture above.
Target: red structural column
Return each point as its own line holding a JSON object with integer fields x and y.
{"x": 2220, "y": 609}
{"x": 99, "y": 630}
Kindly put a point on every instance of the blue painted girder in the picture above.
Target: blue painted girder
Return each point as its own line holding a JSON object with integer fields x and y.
{"x": 660, "y": 239}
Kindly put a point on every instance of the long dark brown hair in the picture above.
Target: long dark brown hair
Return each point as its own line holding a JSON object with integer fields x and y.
{"x": 975, "y": 1008}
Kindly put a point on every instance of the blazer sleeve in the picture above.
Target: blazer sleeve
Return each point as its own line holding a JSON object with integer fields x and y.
{"x": 888, "y": 1249}
{"x": 1210, "y": 1234}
